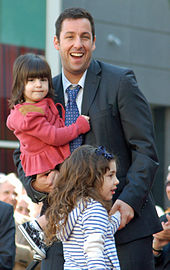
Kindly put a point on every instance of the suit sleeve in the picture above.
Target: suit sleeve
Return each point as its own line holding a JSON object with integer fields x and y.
{"x": 7, "y": 238}
{"x": 26, "y": 181}
{"x": 137, "y": 125}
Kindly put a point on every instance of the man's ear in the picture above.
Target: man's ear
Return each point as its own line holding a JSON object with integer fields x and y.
{"x": 94, "y": 44}
{"x": 56, "y": 43}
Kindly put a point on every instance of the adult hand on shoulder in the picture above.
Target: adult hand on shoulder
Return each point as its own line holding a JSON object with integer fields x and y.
{"x": 126, "y": 211}
{"x": 44, "y": 182}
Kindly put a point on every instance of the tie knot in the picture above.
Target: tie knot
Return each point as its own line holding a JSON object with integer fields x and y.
{"x": 72, "y": 93}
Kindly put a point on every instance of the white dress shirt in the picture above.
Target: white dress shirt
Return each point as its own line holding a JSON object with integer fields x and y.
{"x": 67, "y": 83}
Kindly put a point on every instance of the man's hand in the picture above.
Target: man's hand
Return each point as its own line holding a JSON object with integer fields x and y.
{"x": 126, "y": 211}
{"x": 44, "y": 182}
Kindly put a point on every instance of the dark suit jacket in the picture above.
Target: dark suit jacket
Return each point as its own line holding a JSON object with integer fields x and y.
{"x": 120, "y": 120}
{"x": 7, "y": 237}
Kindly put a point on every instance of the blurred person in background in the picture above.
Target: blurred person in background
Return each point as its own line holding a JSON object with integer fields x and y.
{"x": 24, "y": 205}
{"x": 159, "y": 209}
{"x": 167, "y": 188}
{"x": 7, "y": 237}
{"x": 24, "y": 253}
{"x": 161, "y": 240}
{"x": 8, "y": 191}
{"x": 161, "y": 245}
{"x": 11, "y": 191}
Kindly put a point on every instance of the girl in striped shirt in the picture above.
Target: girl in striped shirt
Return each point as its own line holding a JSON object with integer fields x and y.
{"x": 79, "y": 207}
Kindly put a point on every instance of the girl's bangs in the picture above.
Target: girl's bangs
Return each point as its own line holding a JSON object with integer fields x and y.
{"x": 38, "y": 70}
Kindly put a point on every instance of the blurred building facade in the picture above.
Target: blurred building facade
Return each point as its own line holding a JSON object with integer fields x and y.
{"x": 129, "y": 33}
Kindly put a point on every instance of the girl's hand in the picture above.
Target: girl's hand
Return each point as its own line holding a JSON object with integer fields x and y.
{"x": 86, "y": 117}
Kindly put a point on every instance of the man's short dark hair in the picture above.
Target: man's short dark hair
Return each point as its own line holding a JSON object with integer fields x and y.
{"x": 73, "y": 13}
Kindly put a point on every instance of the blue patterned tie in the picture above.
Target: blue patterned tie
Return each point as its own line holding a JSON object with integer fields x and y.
{"x": 72, "y": 113}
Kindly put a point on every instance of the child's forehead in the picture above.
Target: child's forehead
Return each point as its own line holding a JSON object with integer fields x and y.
{"x": 112, "y": 165}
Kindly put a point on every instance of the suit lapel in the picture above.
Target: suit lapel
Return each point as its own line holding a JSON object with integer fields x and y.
{"x": 91, "y": 86}
{"x": 58, "y": 86}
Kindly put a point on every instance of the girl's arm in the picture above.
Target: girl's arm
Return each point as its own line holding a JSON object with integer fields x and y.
{"x": 95, "y": 224}
{"x": 35, "y": 124}
{"x": 115, "y": 221}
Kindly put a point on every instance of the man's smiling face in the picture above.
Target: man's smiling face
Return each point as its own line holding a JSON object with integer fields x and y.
{"x": 75, "y": 46}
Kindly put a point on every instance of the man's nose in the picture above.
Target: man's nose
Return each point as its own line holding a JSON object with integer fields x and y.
{"x": 78, "y": 42}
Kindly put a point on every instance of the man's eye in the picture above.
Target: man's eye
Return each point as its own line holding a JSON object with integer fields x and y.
{"x": 85, "y": 37}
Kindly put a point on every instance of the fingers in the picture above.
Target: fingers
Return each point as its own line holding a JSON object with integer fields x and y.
{"x": 126, "y": 211}
{"x": 43, "y": 182}
{"x": 113, "y": 209}
{"x": 126, "y": 217}
{"x": 86, "y": 117}
{"x": 122, "y": 222}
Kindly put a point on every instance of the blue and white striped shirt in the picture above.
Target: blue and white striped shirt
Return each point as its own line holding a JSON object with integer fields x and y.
{"x": 88, "y": 238}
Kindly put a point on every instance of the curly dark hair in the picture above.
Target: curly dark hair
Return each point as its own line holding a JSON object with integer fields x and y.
{"x": 81, "y": 176}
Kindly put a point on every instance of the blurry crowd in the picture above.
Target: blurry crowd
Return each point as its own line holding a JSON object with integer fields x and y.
{"x": 13, "y": 193}
{"x": 161, "y": 240}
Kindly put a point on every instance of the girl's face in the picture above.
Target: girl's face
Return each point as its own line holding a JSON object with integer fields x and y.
{"x": 110, "y": 182}
{"x": 36, "y": 89}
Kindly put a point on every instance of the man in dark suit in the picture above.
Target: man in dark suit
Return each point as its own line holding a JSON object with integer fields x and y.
{"x": 7, "y": 237}
{"x": 120, "y": 120}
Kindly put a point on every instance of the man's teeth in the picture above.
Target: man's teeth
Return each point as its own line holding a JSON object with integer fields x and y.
{"x": 76, "y": 54}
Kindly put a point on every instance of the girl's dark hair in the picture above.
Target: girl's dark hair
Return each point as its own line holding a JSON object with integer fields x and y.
{"x": 81, "y": 176}
{"x": 74, "y": 13}
{"x": 28, "y": 66}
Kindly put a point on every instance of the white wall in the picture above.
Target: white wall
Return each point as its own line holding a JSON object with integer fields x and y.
{"x": 53, "y": 9}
